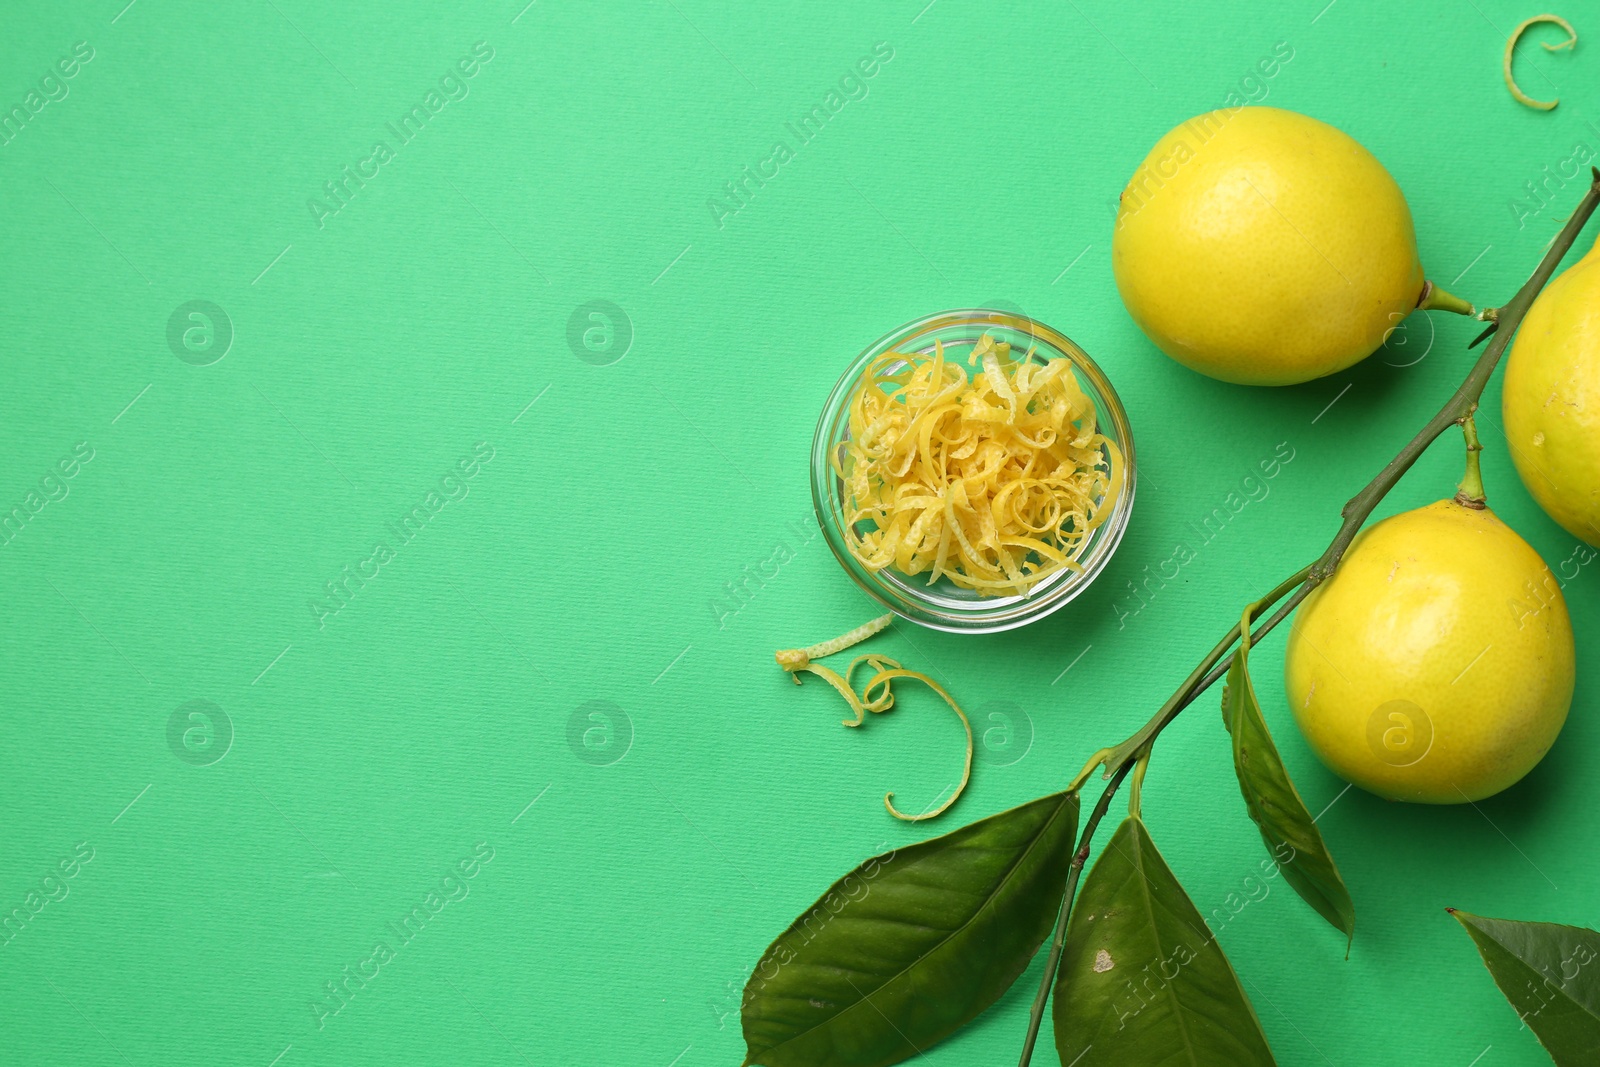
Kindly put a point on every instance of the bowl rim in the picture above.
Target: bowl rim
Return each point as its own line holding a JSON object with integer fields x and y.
{"x": 1000, "y": 613}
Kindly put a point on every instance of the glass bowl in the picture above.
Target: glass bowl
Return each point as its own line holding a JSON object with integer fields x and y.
{"x": 945, "y": 605}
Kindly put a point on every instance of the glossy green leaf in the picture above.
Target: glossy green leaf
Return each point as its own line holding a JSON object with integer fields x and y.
{"x": 1551, "y": 976}
{"x": 1286, "y": 826}
{"x": 912, "y": 945}
{"x": 1142, "y": 981}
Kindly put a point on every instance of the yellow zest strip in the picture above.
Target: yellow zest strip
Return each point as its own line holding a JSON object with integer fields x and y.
{"x": 995, "y": 482}
{"x": 833, "y": 679}
{"x": 1511, "y": 46}
{"x": 798, "y": 661}
{"x": 883, "y": 678}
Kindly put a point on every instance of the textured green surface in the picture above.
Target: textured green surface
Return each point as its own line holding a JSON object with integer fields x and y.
{"x": 591, "y": 559}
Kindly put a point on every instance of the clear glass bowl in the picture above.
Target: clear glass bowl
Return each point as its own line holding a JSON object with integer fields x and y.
{"x": 945, "y": 605}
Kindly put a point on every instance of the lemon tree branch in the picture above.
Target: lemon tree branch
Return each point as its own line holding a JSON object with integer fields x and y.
{"x": 1360, "y": 507}
{"x": 1119, "y": 761}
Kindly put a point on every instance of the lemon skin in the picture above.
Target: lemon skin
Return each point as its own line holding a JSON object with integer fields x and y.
{"x": 1436, "y": 665}
{"x": 1551, "y": 400}
{"x": 1264, "y": 247}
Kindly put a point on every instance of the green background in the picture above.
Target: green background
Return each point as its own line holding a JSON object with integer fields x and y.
{"x": 374, "y": 751}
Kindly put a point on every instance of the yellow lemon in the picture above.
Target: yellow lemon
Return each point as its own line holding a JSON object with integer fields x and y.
{"x": 1551, "y": 402}
{"x": 1436, "y": 664}
{"x": 1260, "y": 246}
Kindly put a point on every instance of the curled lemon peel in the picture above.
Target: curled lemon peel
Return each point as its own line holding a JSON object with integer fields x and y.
{"x": 797, "y": 661}
{"x": 884, "y": 677}
{"x": 995, "y": 481}
{"x": 1511, "y": 46}
{"x": 833, "y": 679}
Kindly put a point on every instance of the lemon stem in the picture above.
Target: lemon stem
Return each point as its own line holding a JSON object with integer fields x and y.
{"x": 1136, "y": 786}
{"x": 1434, "y": 298}
{"x": 1469, "y": 494}
{"x": 1089, "y": 768}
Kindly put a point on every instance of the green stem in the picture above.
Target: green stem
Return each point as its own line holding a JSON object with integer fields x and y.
{"x": 1195, "y": 683}
{"x": 1460, "y": 405}
{"x": 1136, "y": 790}
{"x": 1355, "y": 513}
{"x": 1469, "y": 494}
{"x": 1436, "y": 299}
{"x": 1257, "y": 634}
{"x": 1059, "y": 941}
{"x": 1117, "y": 774}
{"x": 1088, "y": 768}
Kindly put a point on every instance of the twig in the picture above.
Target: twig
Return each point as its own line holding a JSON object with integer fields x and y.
{"x": 1355, "y": 513}
{"x": 1059, "y": 941}
{"x": 1139, "y": 741}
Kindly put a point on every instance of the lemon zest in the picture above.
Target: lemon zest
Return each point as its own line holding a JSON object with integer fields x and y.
{"x": 797, "y": 661}
{"x": 1511, "y": 45}
{"x": 995, "y": 481}
{"x": 883, "y": 677}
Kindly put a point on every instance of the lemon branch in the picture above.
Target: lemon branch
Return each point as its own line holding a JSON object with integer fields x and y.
{"x": 1457, "y": 409}
{"x": 1465, "y": 399}
{"x": 1059, "y": 941}
{"x": 1119, "y": 761}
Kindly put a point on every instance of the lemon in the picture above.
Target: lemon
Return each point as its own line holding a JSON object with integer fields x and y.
{"x": 1260, "y": 246}
{"x": 1436, "y": 664}
{"x": 1551, "y": 402}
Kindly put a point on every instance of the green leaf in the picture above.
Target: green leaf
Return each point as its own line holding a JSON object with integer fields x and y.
{"x": 1551, "y": 976}
{"x": 1286, "y": 826}
{"x": 1142, "y": 981}
{"x": 911, "y": 946}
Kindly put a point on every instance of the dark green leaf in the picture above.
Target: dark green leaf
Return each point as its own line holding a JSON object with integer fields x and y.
{"x": 911, "y": 946}
{"x": 1551, "y": 976}
{"x": 1142, "y": 981}
{"x": 1286, "y": 826}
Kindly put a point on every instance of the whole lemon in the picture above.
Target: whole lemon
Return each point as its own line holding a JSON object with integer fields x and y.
{"x": 1551, "y": 402}
{"x": 1260, "y": 246}
{"x": 1435, "y": 665}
